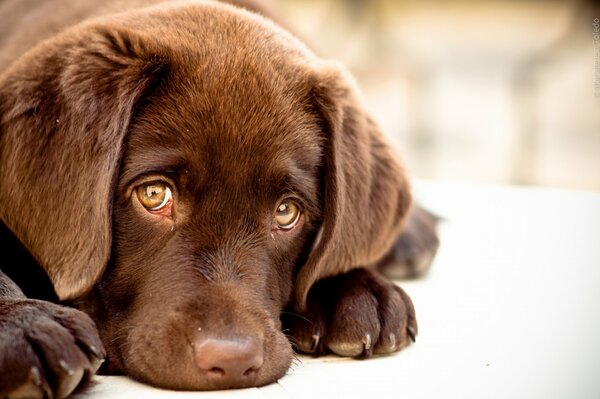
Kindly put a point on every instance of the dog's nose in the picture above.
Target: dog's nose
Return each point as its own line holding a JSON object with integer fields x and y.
{"x": 229, "y": 363}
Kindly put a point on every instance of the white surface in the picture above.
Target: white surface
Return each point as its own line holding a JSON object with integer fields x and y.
{"x": 510, "y": 309}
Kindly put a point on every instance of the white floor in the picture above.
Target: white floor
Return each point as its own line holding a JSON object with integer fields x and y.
{"x": 510, "y": 309}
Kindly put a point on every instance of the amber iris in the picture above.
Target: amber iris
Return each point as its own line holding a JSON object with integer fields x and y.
{"x": 287, "y": 214}
{"x": 154, "y": 196}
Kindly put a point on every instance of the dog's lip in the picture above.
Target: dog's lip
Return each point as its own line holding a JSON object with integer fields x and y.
{"x": 269, "y": 373}
{"x": 149, "y": 364}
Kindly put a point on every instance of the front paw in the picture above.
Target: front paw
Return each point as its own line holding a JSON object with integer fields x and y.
{"x": 359, "y": 313}
{"x": 46, "y": 350}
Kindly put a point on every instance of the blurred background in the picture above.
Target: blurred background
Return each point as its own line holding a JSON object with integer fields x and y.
{"x": 495, "y": 91}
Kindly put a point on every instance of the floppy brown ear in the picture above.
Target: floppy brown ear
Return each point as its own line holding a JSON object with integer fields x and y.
{"x": 65, "y": 108}
{"x": 366, "y": 194}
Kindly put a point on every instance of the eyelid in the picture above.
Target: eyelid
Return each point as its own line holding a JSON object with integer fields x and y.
{"x": 292, "y": 196}
{"x": 160, "y": 161}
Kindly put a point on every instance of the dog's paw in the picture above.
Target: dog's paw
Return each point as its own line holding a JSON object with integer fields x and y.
{"x": 359, "y": 313}
{"x": 46, "y": 350}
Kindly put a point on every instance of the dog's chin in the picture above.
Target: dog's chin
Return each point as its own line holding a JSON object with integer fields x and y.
{"x": 144, "y": 357}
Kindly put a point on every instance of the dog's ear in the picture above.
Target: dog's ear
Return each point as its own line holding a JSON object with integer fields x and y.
{"x": 366, "y": 195}
{"x": 65, "y": 108}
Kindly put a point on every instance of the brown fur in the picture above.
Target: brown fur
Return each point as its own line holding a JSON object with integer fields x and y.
{"x": 234, "y": 114}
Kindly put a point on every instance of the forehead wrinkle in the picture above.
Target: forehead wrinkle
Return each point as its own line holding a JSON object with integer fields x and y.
{"x": 288, "y": 176}
{"x": 140, "y": 161}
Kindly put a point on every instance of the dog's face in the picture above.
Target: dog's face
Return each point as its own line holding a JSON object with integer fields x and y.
{"x": 220, "y": 183}
{"x": 214, "y": 170}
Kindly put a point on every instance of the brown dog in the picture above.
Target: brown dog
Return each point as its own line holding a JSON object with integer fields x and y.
{"x": 185, "y": 173}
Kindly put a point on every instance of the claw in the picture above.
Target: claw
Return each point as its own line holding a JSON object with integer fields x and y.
{"x": 33, "y": 388}
{"x": 96, "y": 352}
{"x": 99, "y": 359}
{"x": 411, "y": 333}
{"x": 66, "y": 367}
{"x": 392, "y": 339}
{"x": 95, "y": 364}
{"x": 67, "y": 384}
{"x": 367, "y": 342}
{"x": 34, "y": 375}
{"x": 316, "y": 338}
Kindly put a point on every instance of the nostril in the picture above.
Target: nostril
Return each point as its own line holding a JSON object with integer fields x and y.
{"x": 217, "y": 371}
{"x": 234, "y": 361}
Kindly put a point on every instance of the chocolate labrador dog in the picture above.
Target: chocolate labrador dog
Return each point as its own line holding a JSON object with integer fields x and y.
{"x": 186, "y": 185}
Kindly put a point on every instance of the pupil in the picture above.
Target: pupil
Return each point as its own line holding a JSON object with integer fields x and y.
{"x": 152, "y": 191}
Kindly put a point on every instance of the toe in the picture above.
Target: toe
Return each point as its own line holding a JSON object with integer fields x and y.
{"x": 355, "y": 324}
{"x": 66, "y": 364}
{"x": 83, "y": 329}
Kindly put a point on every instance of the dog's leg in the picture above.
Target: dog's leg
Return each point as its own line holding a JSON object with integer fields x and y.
{"x": 46, "y": 350}
{"x": 361, "y": 312}
{"x": 414, "y": 250}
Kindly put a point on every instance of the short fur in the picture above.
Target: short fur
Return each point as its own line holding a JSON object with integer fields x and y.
{"x": 235, "y": 114}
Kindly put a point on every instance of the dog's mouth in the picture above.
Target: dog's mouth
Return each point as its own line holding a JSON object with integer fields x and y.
{"x": 217, "y": 363}
{"x": 166, "y": 355}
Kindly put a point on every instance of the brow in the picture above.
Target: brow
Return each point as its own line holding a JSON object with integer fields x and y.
{"x": 161, "y": 160}
{"x": 298, "y": 182}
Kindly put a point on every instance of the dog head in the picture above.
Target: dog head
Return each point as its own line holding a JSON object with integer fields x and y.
{"x": 186, "y": 172}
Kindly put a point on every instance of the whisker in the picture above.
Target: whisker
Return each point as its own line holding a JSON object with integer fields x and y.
{"x": 297, "y": 315}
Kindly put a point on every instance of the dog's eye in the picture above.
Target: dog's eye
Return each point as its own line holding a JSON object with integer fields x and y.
{"x": 287, "y": 214}
{"x": 154, "y": 196}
